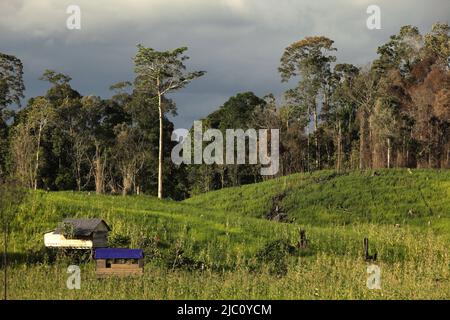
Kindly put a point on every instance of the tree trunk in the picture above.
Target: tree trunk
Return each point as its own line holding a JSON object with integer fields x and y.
{"x": 339, "y": 148}
{"x": 127, "y": 182}
{"x": 388, "y": 152}
{"x": 98, "y": 176}
{"x": 78, "y": 174}
{"x": 316, "y": 138}
{"x": 448, "y": 159}
{"x": 78, "y": 182}
{"x": 5, "y": 262}
{"x": 307, "y": 155}
{"x": 36, "y": 167}
{"x": 78, "y": 170}
{"x": 160, "y": 151}
{"x": 99, "y": 167}
{"x": 362, "y": 142}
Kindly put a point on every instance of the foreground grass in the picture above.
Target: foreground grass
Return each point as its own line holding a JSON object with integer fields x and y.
{"x": 324, "y": 277}
{"x": 404, "y": 215}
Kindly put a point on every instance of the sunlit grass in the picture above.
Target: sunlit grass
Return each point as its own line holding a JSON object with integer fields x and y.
{"x": 405, "y": 216}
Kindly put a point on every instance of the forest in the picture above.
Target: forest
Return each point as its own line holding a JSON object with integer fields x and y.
{"x": 391, "y": 113}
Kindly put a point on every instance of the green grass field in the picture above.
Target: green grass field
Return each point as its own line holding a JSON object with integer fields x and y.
{"x": 219, "y": 245}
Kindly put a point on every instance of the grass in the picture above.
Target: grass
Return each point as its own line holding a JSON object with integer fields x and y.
{"x": 223, "y": 237}
{"x": 326, "y": 198}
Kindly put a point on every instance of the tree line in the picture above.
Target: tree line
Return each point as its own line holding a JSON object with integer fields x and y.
{"x": 393, "y": 112}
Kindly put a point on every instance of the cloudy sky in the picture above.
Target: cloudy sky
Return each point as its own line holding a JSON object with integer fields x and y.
{"x": 238, "y": 42}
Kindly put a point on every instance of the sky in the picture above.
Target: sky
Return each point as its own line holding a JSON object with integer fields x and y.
{"x": 238, "y": 42}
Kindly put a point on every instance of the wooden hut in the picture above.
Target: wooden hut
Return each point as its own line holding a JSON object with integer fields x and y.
{"x": 119, "y": 261}
{"x": 79, "y": 234}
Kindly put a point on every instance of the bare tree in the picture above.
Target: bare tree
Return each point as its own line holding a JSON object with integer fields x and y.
{"x": 131, "y": 154}
{"x": 384, "y": 129}
{"x": 40, "y": 115}
{"x": 23, "y": 151}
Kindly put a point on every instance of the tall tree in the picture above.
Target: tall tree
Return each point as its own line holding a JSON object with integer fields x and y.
{"x": 383, "y": 126}
{"x": 55, "y": 78}
{"x": 341, "y": 111}
{"x": 11, "y": 91}
{"x": 437, "y": 43}
{"x": 242, "y": 111}
{"x": 11, "y": 80}
{"x": 364, "y": 93}
{"x": 161, "y": 73}
{"x": 414, "y": 70}
{"x": 93, "y": 109}
{"x": 64, "y": 143}
{"x": 310, "y": 59}
{"x": 401, "y": 52}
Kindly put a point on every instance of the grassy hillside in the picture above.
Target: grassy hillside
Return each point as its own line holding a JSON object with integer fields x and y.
{"x": 219, "y": 245}
{"x": 413, "y": 197}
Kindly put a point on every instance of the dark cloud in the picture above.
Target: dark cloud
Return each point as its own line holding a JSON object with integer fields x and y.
{"x": 238, "y": 42}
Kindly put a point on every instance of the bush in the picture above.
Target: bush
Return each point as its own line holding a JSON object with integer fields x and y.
{"x": 151, "y": 247}
{"x": 119, "y": 241}
{"x": 176, "y": 259}
{"x": 274, "y": 255}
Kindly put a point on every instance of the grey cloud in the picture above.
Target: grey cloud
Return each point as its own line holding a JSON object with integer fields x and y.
{"x": 238, "y": 42}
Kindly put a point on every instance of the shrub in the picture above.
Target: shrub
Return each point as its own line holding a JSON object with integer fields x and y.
{"x": 119, "y": 241}
{"x": 274, "y": 255}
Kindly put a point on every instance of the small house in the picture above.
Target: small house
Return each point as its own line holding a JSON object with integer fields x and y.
{"x": 119, "y": 261}
{"x": 79, "y": 234}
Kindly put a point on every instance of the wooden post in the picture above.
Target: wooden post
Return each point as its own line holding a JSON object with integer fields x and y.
{"x": 367, "y": 256}
{"x": 366, "y": 248}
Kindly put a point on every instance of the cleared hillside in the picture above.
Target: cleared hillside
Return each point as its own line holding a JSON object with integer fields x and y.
{"x": 325, "y": 198}
{"x": 220, "y": 245}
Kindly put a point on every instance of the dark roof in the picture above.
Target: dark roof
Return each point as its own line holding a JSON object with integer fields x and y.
{"x": 118, "y": 253}
{"x": 82, "y": 227}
